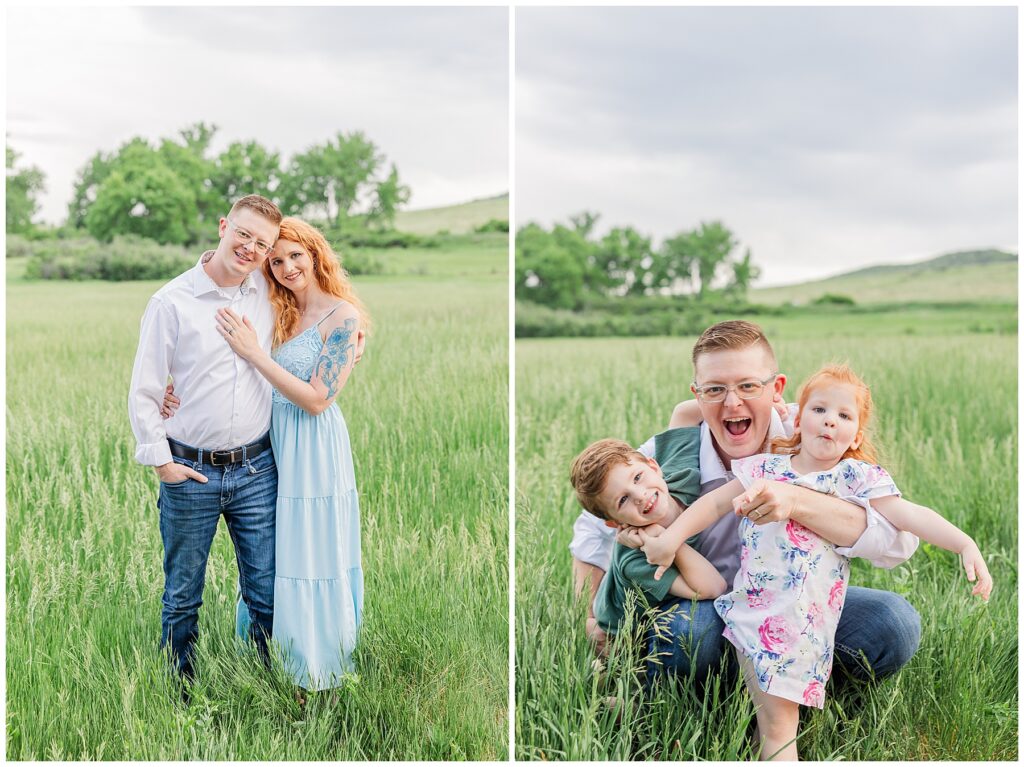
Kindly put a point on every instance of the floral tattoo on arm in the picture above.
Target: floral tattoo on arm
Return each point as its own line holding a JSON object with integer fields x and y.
{"x": 336, "y": 355}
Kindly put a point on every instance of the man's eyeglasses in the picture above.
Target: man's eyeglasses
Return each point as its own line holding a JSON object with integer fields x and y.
{"x": 744, "y": 390}
{"x": 245, "y": 237}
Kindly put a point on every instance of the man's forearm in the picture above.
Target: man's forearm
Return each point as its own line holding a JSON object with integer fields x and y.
{"x": 837, "y": 521}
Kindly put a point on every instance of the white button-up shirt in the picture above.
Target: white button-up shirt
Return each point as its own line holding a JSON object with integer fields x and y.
{"x": 881, "y": 543}
{"x": 225, "y": 402}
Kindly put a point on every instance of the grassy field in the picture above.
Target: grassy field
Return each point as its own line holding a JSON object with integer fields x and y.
{"x": 947, "y": 419}
{"x": 828, "y": 323}
{"x": 995, "y": 282}
{"x": 84, "y": 679}
{"x": 456, "y": 219}
{"x": 467, "y": 256}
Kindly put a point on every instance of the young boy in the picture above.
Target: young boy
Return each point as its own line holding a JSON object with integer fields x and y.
{"x": 618, "y": 484}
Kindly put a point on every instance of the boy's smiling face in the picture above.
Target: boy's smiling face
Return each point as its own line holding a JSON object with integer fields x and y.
{"x": 635, "y": 494}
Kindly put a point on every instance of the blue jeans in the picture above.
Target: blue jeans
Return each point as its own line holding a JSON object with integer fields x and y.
{"x": 878, "y": 633}
{"x": 246, "y": 494}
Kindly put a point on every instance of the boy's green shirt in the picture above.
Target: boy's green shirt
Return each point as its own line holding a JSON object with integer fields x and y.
{"x": 677, "y": 451}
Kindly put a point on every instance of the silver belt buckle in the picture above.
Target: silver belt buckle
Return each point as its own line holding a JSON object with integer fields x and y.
{"x": 228, "y": 454}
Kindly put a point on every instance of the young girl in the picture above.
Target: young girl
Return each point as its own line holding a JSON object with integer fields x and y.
{"x": 785, "y": 604}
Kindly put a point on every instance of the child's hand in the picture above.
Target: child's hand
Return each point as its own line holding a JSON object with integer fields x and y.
{"x": 628, "y": 537}
{"x": 659, "y": 551}
{"x": 781, "y": 407}
{"x": 975, "y": 567}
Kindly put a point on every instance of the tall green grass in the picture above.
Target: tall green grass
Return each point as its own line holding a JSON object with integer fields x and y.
{"x": 427, "y": 413}
{"x": 947, "y": 420}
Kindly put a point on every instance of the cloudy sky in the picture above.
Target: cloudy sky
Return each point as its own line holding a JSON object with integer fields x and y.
{"x": 428, "y": 85}
{"x": 826, "y": 139}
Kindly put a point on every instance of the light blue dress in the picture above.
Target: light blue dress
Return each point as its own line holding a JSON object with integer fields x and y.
{"x": 318, "y": 588}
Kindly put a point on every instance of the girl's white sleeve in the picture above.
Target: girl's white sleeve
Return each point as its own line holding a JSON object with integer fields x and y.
{"x": 880, "y": 543}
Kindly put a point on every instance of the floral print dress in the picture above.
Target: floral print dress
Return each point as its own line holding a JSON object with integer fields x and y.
{"x": 788, "y": 594}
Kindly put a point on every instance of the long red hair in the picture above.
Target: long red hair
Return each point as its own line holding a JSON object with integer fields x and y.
{"x": 330, "y": 276}
{"x": 841, "y": 374}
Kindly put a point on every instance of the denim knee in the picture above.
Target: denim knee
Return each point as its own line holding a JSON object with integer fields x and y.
{"x": 905, "y": 634}
{"x": 686, "y": 640}
{"x": 878, "y": 633}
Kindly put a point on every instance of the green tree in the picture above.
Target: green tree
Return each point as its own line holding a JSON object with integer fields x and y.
{"x": 674, "y": 262}
{"x": 331, "y": 177}
{"x": 354, "y": 161}
{"x": 245, "y": 167}
{"x": 626, "y": 257}
{"x": 334, "y": 178}
{"x": 92, "y": 174}
{"x": 126, "y": 186}
{"x": 23, "y": 188}
{"x": 551, "y": 268}
{"x": 197, "y": 137}
{"x": 304, "y": 183}
{"x": 584, "y": 223}
{"x": 188, "y": 160}
{"x": 744, "y": 272}
{"x": 713, "y": 244}
{"x": 142, "y": 195}
{"x": 388, "y": 196}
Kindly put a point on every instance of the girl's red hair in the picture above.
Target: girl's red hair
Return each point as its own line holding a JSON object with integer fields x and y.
{"x": 841, "y": 374}
{"x": 330, "y": 276}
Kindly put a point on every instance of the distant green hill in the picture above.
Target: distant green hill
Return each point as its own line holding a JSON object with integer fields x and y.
{"x": 976, "y": 275}
{"x": 457, "y": 219}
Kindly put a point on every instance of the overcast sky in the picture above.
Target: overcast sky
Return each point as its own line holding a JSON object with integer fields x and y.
{"x": 825, "y": 138}
{"x": 429, "y": 86}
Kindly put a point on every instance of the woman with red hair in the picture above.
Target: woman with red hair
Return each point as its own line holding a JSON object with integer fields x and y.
{"x": 319, "y": 334}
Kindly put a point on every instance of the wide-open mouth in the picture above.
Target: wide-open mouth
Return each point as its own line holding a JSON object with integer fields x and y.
{"x": 737, "y": 427}
{"x": 651, "y": 503}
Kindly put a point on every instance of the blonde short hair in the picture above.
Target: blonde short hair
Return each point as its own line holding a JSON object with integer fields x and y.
{"x": 259, "y": 205}
{"x": 732, "y": 335}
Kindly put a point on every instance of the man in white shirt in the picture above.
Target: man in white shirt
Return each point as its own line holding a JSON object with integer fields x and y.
{"x": 736, "y": 377}
{"x": 213, "y": 455}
